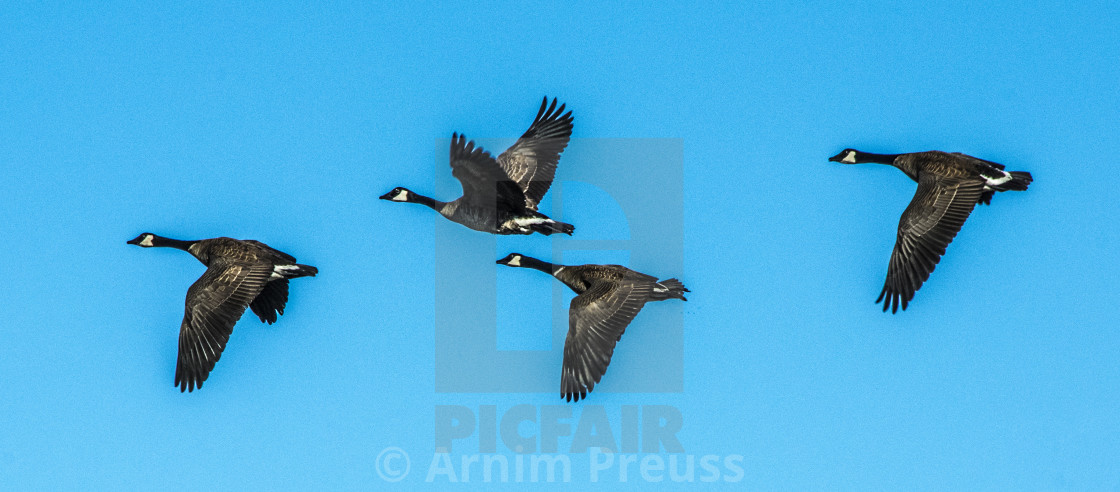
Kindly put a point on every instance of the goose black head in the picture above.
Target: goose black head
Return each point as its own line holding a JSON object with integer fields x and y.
{"x": 513, "y": 260}
{"x": 145, "y": 240}
{"x": 398, "y": 194}
{"x": 846, "y": 156}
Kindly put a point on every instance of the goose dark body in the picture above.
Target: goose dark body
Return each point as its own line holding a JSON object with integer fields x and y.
{"x": 500, "y": 196}
{"x": 239, "y": 274}
{"x": 609, "y": 297}
{"x": 949, "y": 187}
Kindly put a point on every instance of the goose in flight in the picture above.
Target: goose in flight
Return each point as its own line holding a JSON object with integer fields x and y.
{"x": 500, "y": 196}
{"x": 609, "y": 297}
{"x": 239, "y": 274}
{"x": 949, "y": 186}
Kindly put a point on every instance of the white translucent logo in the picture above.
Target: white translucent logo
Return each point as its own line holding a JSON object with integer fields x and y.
{"x": 393, "y": 464}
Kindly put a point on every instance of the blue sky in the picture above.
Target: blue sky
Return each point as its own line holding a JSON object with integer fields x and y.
{"x": 284, "y": 122}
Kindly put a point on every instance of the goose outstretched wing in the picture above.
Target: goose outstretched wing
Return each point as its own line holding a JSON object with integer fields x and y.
{"x": 531, "y": 162}
{"x": 214, "y": 304}
{"x": 484, "y": 182}
{"x": 596, "y": 320}
{"x": 931, "y": 221}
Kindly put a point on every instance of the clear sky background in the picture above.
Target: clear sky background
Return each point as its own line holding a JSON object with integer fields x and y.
{"x": 284, "y": 122}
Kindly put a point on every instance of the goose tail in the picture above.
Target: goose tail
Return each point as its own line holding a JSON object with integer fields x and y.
{"x": 551, "y": 227}
{"x": 1019, "y": 181}
{"x": 294, "y": 271}
{"x": 669, "y": 289}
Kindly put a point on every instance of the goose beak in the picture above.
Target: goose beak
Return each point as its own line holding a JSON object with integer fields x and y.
{"x": 133, "y": 241}
{"x": 386, "y": 196}
{"x": 836, "y": 158}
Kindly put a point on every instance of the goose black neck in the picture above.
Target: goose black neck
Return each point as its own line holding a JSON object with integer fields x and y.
{"x": 878, "y": 158}
{"x": 427, "y": 201}
{"x": 164, "y": 242}
{"x": 544, "y": 266}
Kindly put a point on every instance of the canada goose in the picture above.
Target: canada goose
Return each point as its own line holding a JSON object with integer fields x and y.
{"x": 239, "y": 274}
{"x": 501, "y": 196}
{"x": 609, "y": 296}
{"x": 949, "y": 186}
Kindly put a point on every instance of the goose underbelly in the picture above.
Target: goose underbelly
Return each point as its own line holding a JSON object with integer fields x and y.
{"x": 479, "y": 219}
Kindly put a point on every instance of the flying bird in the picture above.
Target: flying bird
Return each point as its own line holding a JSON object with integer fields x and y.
{"x": 609, "y": 297}
{"x": 949, "y": 186}
{"x": 500, "y": 196}
{"x": 239, "y": 274}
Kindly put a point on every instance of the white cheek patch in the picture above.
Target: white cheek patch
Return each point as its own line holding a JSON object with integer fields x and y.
{"x": 401, "y": 197}
{"x": 515, "y": 261}
{"x": 850, "y": 158}
{"x": 146, "y": 242}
